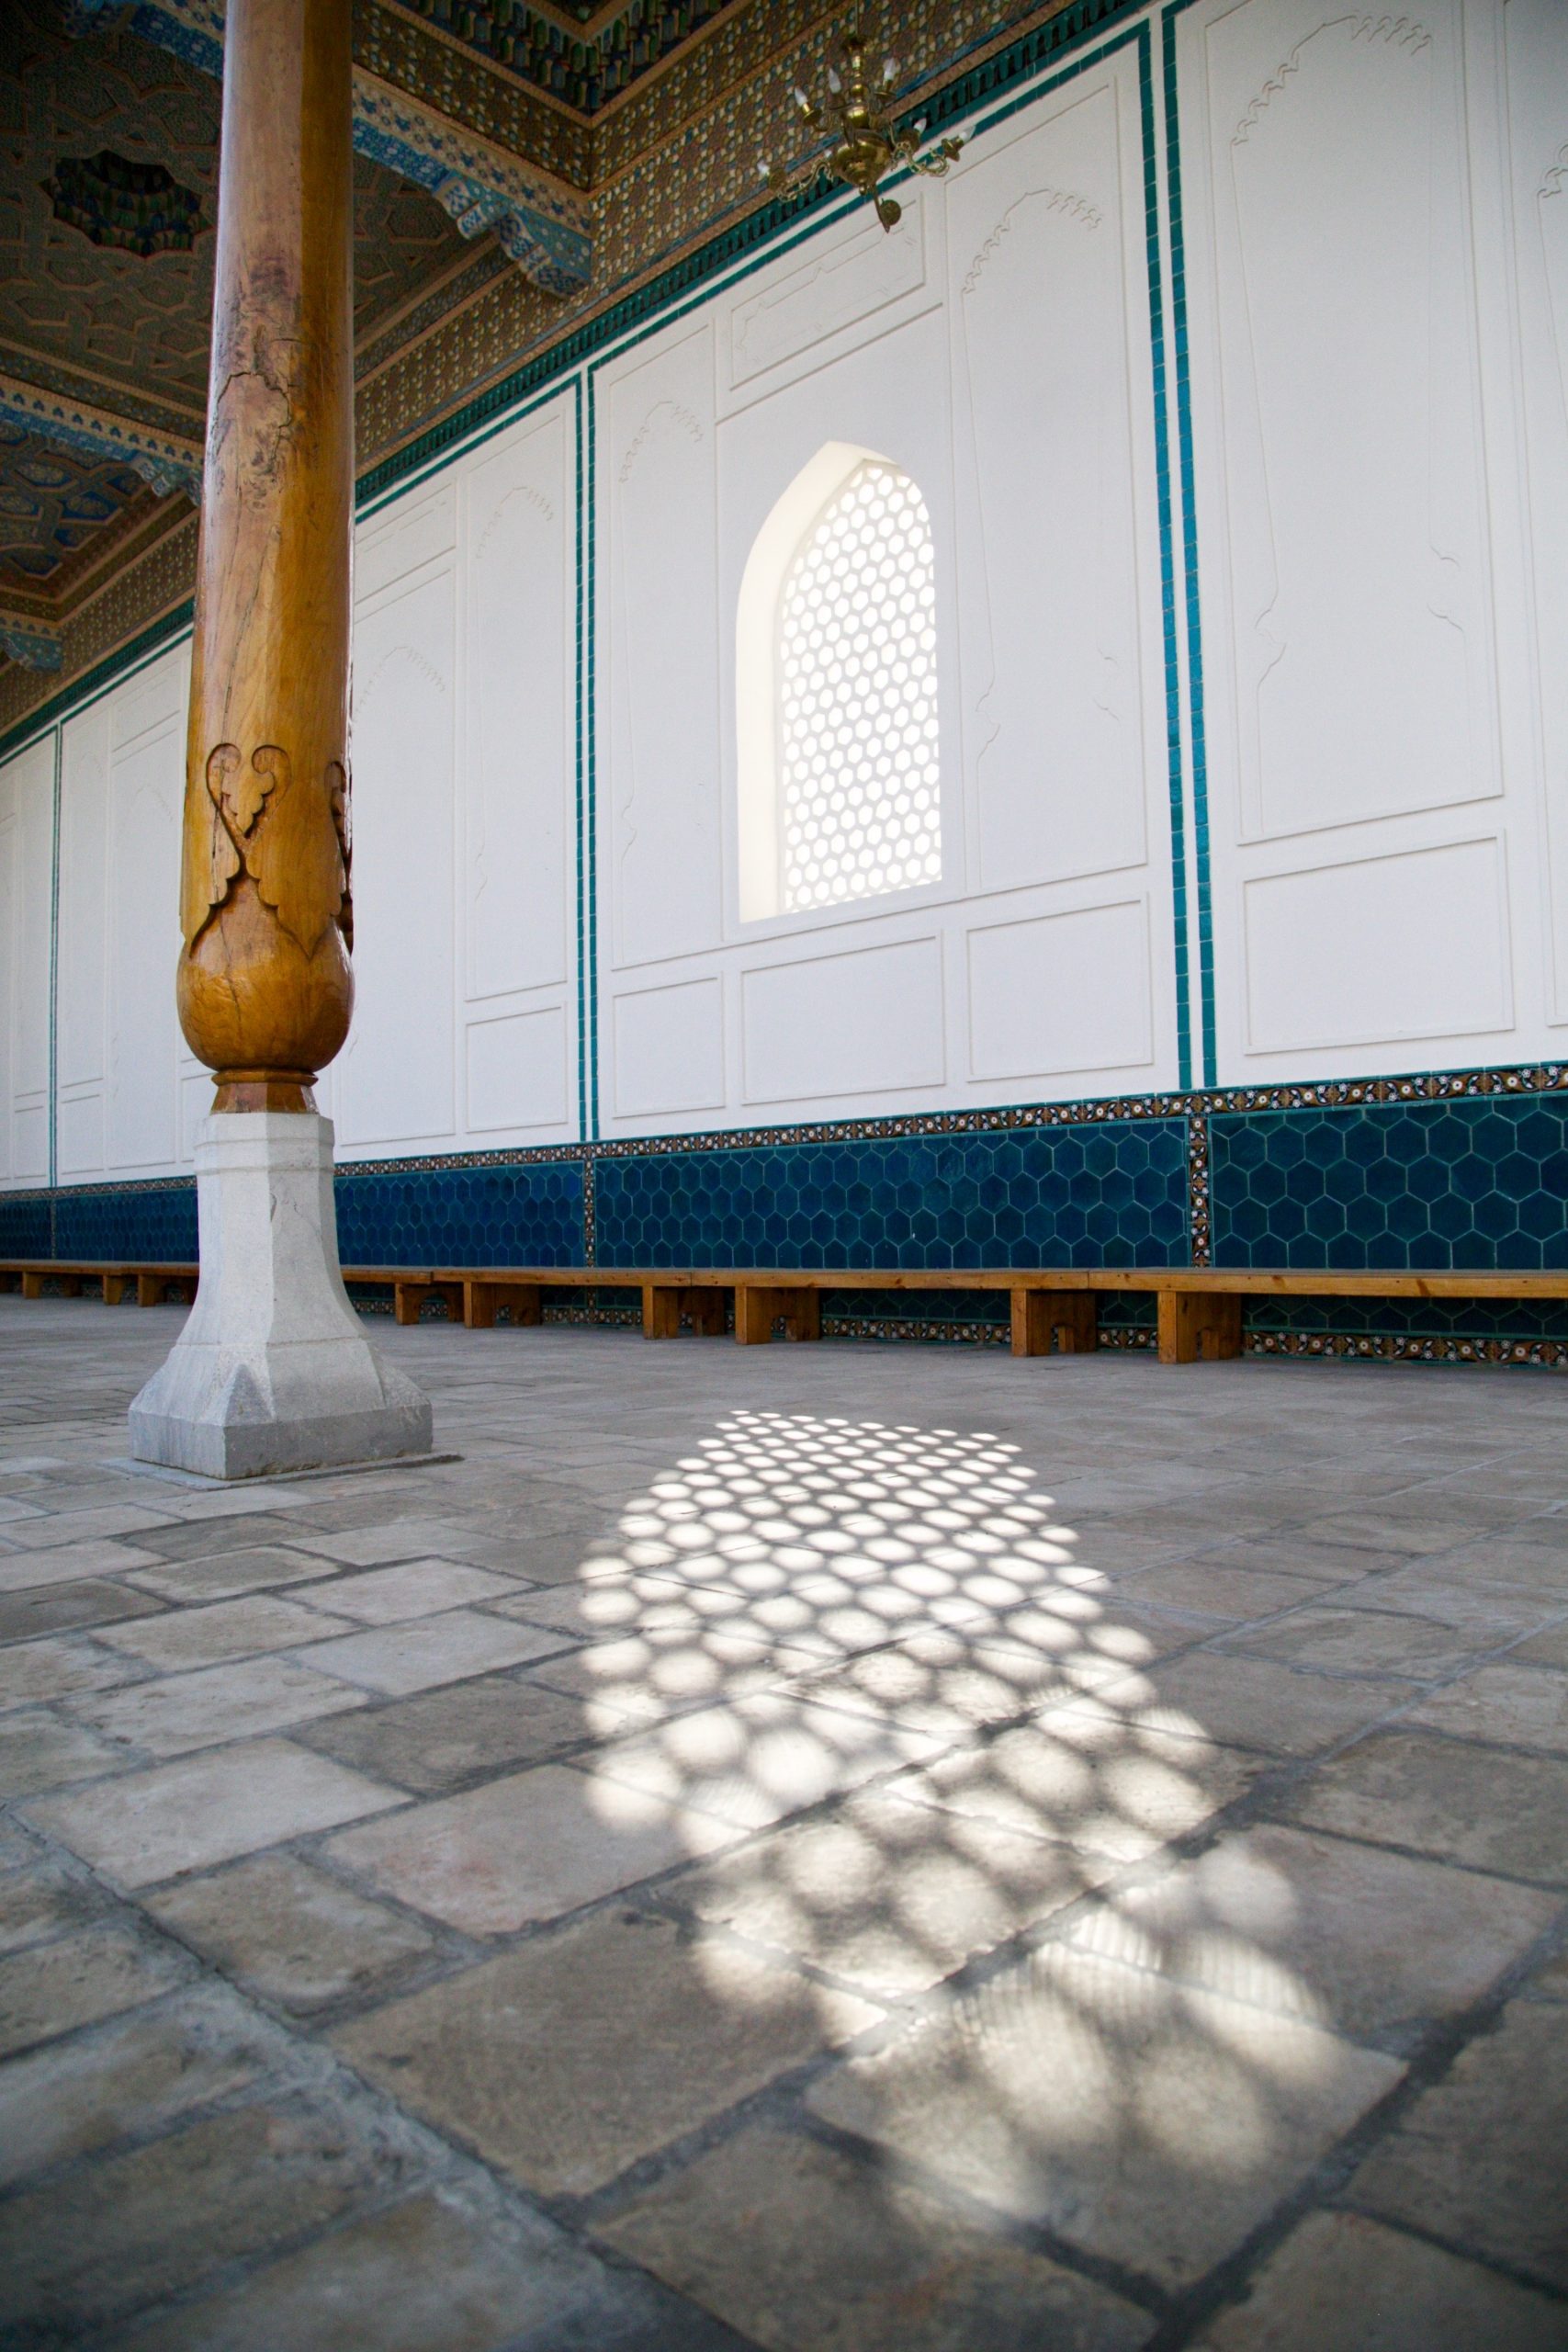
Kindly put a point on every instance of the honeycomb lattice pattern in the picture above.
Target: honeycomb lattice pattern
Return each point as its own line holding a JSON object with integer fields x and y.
{"x": 158, "y": 1222}
{"x": 526, "y": 1215}
{"x": 859, "y": 805}
{"x": 1418, "y": 1186}
{"x": 1111, "y": 1194}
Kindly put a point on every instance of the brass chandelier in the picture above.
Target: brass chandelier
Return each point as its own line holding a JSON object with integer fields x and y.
{"x": 862, "y": 145}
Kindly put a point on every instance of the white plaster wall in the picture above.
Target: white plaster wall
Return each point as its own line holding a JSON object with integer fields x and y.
{"x": 27, "y": 827}
{"x": 1377, "y": 271}
{"x": 998, "y": 348}
{"x": 465, "y": 805}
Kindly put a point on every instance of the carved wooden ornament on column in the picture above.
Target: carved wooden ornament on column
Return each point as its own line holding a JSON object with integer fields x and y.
{"x": 264, "y": 987}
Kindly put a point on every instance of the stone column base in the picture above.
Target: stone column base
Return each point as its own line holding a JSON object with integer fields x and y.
{"x": 273, "y": 1370}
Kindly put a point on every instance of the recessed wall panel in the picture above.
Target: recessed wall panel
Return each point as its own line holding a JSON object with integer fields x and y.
{"x": 516, "y": 1070}
{"x": 1061, "y": 993}
{"x": 868, "y": 1022}
{"x": 517, "y": 768}
{"x": 1043, "y": 295}
{"x": 146, "y": 794}
{"x": 1346, "y": 554}
{"x": 84, "y": 833}
{"x": 1375, "y": 953}
{"x": 396, "y": 1077}
{"x": 669, "y": 1049}
{"x": 658, "y": 485}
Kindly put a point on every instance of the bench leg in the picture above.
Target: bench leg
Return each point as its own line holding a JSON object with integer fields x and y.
{"x": 524, "y": 1301}
{"x": 32, "y": 1285}
{"x": 706, "y": 1310}
{"x": 660, "y": 1311}
{"x": 480, "y": 1302}
{"x": 407, "y": 1300}
{"x": 149, "y": 1290}
{"x": 1194, "y": 1324}
{"x": 801, "y": 1311}
{"x": 755, "y": 1307}
{"x": 71, "y": 1285}
{"x": 114, "y": 1288}
{"x": 1068, "y": 1318}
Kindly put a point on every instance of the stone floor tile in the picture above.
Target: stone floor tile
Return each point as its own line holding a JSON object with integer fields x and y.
{"x": 1249, "y": 1703}
{"x": 1145, "y": 2123}
{"x": 37, "y": 1752}
{"x": 1087, "y": 1780}
{"x": 228, "y": 1574}
{"x": 375, "y": 1545}
{"x": 64, "y": 1608}
{"x": 122, "y": 2232}
{"x": 1543, "y": 1649}
{"x": 1213, "y": 1589}
{"x": 568, "y": 2060}
{"x": 413, "y": 1589}
{"x": 28, "y": 1571}
{"x": 435, "y": 1741}
{"x": 1340, "y": 2280}
{"x": 1484, "y": 1806}
{"x": 133, "y": 2075}
{"x": 57, "y": 1664}
{"x": 892, "y": 1897}
{"x": 1541, "y": 1569}
{"x": 1519, "y": 1706}
{"x": 1489, "y": 1612}
{"x": 524, "y": 1848}
{"x": 180, "y": 1711}
{"x": 41, "y": 1902}
{"x": 1364, "y": 1641}
{"x": 205, "y": 1809}
{"x": 1398, "y": 1524}
{"x": 949, "y": 1685}
{"x": 398, "y": 1659}
{"x": 1477, "y": 2161}
{"x": 1346, "y": 1936}
{"x": 291, "y": 1933}
{"x": 661, "y": 1672}
{"x": 801, "y": 2248}
{"x": 54, "y": 1988}
{"x": 759, "y": 1759}
{"x": 423, "y": 2277}
{"x": 60, "y": 1527}
{"x": 196, "y": 1539}
{"x": 185, "y": 1637}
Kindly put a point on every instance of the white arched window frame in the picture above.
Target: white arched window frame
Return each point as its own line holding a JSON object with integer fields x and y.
{"x": 836, "y": 691}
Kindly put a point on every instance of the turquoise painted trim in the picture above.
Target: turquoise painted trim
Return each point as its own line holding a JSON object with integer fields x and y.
{"x": 93, "y": 684}
{"x": 584, "y": 552}
{"x": 54, "y": 967}
{"x": 1175, "y": 783}
{"x": 1189, "y": 547}
{"x": 589, "y": 843}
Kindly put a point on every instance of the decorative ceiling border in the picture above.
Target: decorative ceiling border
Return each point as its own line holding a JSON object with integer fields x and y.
{"x": 165, "y": 462}
{"x": 542, "y": 223}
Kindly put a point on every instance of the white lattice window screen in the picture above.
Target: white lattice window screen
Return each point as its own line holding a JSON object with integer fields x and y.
{"x": 858, "y": 801}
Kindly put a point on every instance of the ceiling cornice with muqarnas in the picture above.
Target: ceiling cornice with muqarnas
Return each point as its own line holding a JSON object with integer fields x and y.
{"x": 521, "y": 169}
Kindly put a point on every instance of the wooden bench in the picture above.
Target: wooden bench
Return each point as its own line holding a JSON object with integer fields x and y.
{"x": 1198, "y": 1309}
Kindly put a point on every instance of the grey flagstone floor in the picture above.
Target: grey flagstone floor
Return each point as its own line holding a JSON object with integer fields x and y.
{"x": 829, "y": 1849}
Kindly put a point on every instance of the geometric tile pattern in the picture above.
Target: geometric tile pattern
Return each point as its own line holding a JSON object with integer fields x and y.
{"x": 1423, "y": 1185}
{"x": 156, "y": 1221}
{"x": 529, "y": 1214}
{"x": 52, "y": 501}
{"x": 1109, "y": 1193}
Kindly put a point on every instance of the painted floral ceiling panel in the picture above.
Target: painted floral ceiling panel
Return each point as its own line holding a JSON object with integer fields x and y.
{"x": 53, "y": 503}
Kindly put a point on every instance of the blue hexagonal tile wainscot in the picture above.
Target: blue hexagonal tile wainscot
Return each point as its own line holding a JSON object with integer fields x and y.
{"x": 1108, "y": 1192}
{"x": 1469, "y": 1185}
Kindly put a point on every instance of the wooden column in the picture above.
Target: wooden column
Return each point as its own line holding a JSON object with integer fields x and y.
{"x": 264, "y": 987}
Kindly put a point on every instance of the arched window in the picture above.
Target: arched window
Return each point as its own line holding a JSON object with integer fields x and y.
{"x": 837, "y": 679}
